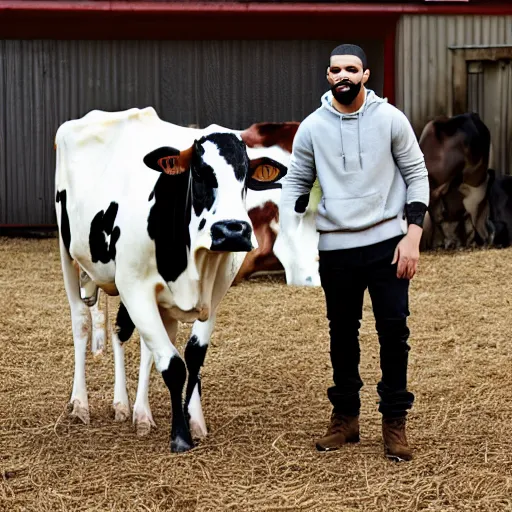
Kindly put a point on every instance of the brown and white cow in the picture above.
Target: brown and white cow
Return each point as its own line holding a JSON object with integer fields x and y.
{"x": 295, "y": 252}
{"x": 456, "y": 154}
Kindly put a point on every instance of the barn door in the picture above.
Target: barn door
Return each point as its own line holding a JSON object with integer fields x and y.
{"x": 490, "y": 94}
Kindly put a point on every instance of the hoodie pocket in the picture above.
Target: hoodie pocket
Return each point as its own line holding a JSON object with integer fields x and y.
{"x": 351, "y": 214}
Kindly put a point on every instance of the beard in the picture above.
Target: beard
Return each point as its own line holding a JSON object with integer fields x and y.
{"x": 348, "y": 96}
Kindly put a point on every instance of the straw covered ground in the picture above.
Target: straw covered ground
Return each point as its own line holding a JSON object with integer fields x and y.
{"x": 264, "y": 398}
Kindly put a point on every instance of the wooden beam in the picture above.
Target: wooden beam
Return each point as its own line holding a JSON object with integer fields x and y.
{"x": 461, "y": 57}
{"x": 488, "y": 54}
{"x": 459, "y": 83}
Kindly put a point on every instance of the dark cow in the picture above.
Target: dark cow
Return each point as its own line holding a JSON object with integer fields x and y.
{"x": 456, "y": 153}
{"x": 500, "y": 204}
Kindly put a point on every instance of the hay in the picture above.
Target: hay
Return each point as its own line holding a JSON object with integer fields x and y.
{"x": 264, "y": 384}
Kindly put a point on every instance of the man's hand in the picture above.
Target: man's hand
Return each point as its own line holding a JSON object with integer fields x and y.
{"x": 407, "y": 253}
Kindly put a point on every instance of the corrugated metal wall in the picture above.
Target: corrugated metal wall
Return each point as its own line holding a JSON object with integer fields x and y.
{"x": 232, "y": 83}
{"x": 424, "y": 62}
{"x": 495, "y": 97}
{"x": 42, "y": 84}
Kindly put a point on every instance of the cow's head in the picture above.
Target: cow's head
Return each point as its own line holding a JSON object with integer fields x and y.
{"x": 297, "y": 248}
{"x": 219, "y": 172}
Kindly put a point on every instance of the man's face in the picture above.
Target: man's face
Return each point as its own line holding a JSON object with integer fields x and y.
{"x": 345, "y": 75}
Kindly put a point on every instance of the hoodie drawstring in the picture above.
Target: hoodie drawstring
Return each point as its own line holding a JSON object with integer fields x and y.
{"x": 370, "y": 99}
{"x": 359, "y": 140}
{"x": 341, "y": 135}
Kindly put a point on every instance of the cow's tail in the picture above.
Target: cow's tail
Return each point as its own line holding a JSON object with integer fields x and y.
{"x": 70, "y": 268}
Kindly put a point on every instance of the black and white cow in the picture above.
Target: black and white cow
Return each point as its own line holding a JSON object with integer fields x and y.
{"x": 160, "y": 220}
{"x": 296, "y": 250}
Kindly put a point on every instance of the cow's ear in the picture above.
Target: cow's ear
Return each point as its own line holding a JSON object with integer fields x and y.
{"x": 169, "y": 160}
{"x": 264, "y": 173}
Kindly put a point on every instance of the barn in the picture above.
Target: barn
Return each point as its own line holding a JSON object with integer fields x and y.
{"x": 232, "y": 63}
{"x": 264, "y": 382}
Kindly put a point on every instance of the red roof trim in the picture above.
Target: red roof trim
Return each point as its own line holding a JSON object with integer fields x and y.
{"x": 103, "y": 6}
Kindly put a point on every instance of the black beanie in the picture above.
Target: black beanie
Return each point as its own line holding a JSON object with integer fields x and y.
{"x": 351, "y": 49}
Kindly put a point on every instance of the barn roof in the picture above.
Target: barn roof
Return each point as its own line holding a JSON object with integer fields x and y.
{"x": 159, "y": 19}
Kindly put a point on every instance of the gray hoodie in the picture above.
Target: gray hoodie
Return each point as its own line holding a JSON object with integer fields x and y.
{"x": 368, "y": 164}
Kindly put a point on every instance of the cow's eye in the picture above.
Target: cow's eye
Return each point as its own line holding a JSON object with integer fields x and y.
{"x": 265, "y": 173}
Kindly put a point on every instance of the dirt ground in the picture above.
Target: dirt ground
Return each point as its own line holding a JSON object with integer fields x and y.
{"x": 264, "y": 398}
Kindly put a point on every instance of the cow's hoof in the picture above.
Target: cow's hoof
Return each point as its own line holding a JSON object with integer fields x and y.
{"x": 97, "y": 354}
{"x": 121, "y": 412}
{"x": 179, "y": 445}
{"x": 143, "y": 428}
{"x": 143, "y": 421}
{"x": 80, "y": 411}
{"x": 197, "y": 430}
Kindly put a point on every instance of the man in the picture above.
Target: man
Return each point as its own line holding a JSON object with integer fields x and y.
{"x": 375, "y": 195}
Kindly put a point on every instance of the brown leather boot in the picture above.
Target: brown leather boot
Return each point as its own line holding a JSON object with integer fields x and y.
{"x": 343, "y": 429}
{"x": 395, "y": 440}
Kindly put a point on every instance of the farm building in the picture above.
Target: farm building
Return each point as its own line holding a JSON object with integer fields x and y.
{"x": 232, "y": 63}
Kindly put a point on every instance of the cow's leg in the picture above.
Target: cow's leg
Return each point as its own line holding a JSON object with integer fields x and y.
{"x": 438, "y": 238}
{"x": 80, "y": 320}
{"x": 124, "y": 328}
{"x": 484, "y": 224}
{"x": 195, "y": 353}
{"x": 98, "y": 326}
{"x": 436, "y": 215}
{"x": 142, "y": 417}
{"x": 467, "y": 231}
{"x": 143, "y": 310}
{"x": 248, "y": 267}
{"x": 427, "y": 235}
{"x": 473, "y": 198}
{"x": 451, "y": 234}
{"x": 121, "y": 403}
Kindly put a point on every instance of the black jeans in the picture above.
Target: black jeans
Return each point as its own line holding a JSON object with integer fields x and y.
{"x": 345, "y": 275}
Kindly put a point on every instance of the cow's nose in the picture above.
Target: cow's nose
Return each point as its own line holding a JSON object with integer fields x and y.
{"x": 231, "y": 236}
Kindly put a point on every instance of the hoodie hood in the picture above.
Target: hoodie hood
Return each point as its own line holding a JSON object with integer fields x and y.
{"x": 371, "y": 101}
